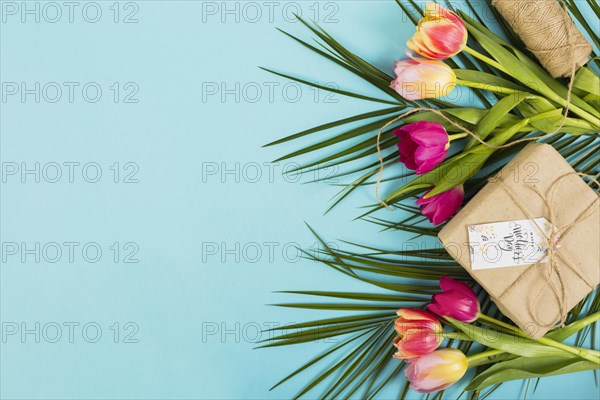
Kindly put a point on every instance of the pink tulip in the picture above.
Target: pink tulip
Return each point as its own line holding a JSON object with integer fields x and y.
{"x": 418, "y": 333}
{"x": 436, "y": 371}
{"x": 457, "y": 301}
{"x": 423, "y": 145}
{"x": 441, "y": 34}
{"x": 418, "y": 78}
{"x": 441, "y": 207}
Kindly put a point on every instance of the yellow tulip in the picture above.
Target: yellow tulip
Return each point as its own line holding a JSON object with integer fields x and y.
{"x": 437, "y": 370}
{"x": 418, "y": 78}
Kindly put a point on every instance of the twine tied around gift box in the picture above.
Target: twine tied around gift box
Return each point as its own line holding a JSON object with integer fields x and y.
{"x": 553, "y": 239}
{"x": 571, "y": 45}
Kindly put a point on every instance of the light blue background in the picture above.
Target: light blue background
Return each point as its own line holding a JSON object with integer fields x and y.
{"x": 178, "y": 293}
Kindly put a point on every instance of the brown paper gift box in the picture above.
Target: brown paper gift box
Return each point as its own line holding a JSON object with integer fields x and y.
{"x": 539, "y": 166}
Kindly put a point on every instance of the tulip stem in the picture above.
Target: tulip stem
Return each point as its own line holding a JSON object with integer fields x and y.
{"x": 593, "y": 120}
{"x": 457, "y": 136}
{"x": 583, "y": 353}
{"x": 583, "y": 322}
{"x": 482, "y": 358}
{"x": 485, "y": 59}
{"x": 455, "y": 335}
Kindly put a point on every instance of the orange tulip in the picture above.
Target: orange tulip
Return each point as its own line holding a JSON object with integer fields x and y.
{"x": 418, "y": 333}
{"x": 441, "y": 34}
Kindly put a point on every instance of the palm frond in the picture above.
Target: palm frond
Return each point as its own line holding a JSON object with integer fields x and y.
{"x": 362, "y": 363}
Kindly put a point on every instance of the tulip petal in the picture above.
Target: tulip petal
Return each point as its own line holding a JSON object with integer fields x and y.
{"x": 462, "y": 308}
{"x": 416, "y": 44}
{"x": 407, "y": 148}
{"x": 416, "y": 314}
{"x": 443, "y": 38}
{"x": 437, "y": 370}
{"x": 441, "y": 207}
{"x": 428, "y": 158}
{"x": 411, "y": 372}
{"x": 457, "y": 301}
{"x": 440, "y": 34}
{"x": 422, "y": 146}
{"x": 430, "y": 134}
{"x": 418, "y": 333}
{"x": 436, "y": 308}
{"x": 420, "y": 78}
{"x": 447, "y": 284}
{"x": 449, "y": 201}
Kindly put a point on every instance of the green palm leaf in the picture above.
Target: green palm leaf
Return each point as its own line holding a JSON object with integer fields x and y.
{"x": 362, "y": 363}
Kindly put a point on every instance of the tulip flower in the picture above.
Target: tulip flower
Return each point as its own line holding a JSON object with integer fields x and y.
{"x": 436, "y": 371}
{"x": 441, "y": 34}
{"x": 441, "y": 207}
{"x": 457, "y": 301}
{"x": 423, "y": 145}
{"x": 418, "y": 333}
{"x": 418, "y": 78}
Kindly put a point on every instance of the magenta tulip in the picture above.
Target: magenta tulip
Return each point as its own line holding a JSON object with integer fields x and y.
{"x": 423, "y": 145}
{"x": 418, "y": 333}
{"x": 457, "y": 301}
{"x": 441, "y": 207}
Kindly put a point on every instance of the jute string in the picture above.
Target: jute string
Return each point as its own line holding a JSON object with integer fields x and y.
{"x": 567, "y": 22}
{"x": 556, "y": 235}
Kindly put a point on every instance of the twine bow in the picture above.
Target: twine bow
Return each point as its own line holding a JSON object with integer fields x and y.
{"x": 554, "y": 238}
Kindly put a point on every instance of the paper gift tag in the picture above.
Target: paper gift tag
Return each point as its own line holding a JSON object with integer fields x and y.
{"x": 509, "y": 243}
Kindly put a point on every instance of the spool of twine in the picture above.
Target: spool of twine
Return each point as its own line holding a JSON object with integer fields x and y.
{"x": 548, "y": 32}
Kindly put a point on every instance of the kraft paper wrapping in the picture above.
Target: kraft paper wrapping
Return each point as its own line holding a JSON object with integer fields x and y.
{"x": 537, "y": 165}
